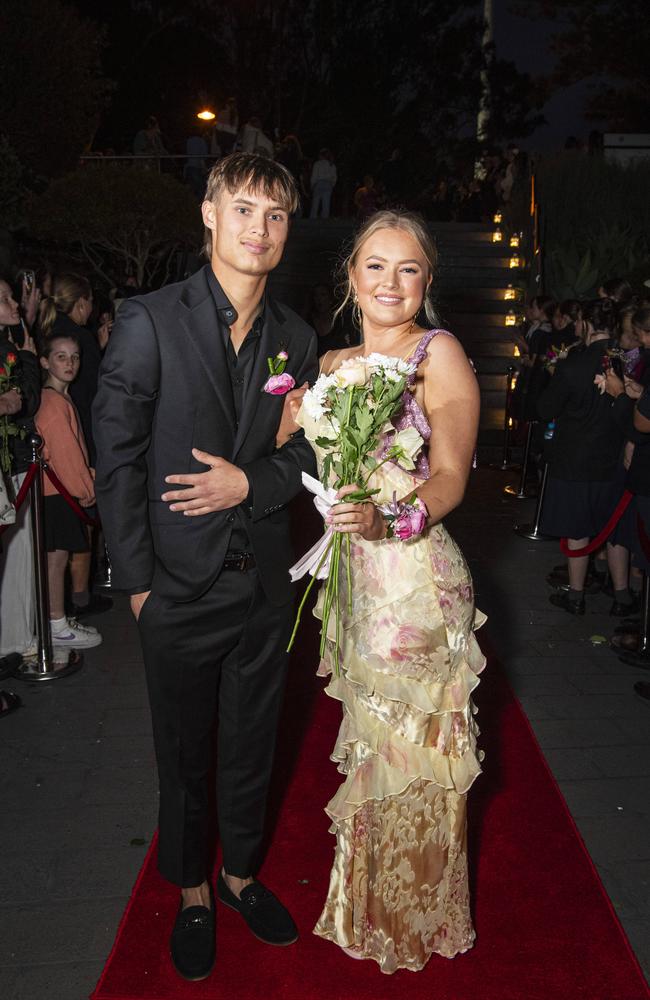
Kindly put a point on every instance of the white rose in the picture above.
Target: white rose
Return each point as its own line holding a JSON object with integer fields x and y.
{"x": 353, "y": 372}
{"x": 408, "y": 442}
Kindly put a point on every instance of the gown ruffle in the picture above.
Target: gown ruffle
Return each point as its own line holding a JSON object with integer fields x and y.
{"x": 407, "y": 744}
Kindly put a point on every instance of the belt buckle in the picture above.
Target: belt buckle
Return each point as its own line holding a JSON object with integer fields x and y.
{"x": 237, "y": 561}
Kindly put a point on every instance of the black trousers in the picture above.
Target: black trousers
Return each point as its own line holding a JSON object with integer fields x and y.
{"x": 222, "y": 655}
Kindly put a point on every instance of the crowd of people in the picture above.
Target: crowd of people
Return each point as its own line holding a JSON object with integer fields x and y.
{"x": 468, "y": 192}
{"x": 585, "y": 386}
{"x": 52, "y": 335}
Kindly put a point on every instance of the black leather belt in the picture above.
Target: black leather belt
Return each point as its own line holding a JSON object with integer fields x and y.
{"x": 241, "y": 561}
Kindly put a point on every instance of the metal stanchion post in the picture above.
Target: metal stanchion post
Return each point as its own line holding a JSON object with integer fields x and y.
{"x": 640, "y": 657}
{"x": 532, "y": 531}
{"x": 505, "y": 464}
{"x": 512, "y": 491}
{"x": 45, "y": 666}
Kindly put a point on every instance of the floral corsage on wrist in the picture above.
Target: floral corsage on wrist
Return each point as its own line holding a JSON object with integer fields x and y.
{"x": 279, "y": 382}
{"x": 405, "y": 518}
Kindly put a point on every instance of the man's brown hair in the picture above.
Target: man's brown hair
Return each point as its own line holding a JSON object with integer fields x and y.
{"x": 249, "y": 172}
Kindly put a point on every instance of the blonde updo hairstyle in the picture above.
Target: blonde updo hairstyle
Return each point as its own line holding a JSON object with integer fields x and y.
{"x": 407, "y": 222}
{"x": 66, "y": 290}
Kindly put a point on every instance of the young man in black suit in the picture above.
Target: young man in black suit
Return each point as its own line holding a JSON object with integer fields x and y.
{"x": 206, "y": 561}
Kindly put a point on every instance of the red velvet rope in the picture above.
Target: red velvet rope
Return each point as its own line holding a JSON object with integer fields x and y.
{"x": 70, "y": 500}
{"x": 602, "y": 537}
{"x": 22, "y": 492}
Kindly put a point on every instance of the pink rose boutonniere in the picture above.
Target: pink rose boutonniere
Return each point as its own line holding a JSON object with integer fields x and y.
{"x": 279, "y": 382}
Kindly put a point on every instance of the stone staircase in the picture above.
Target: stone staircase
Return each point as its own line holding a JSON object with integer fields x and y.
{"x": 471, "y": 282}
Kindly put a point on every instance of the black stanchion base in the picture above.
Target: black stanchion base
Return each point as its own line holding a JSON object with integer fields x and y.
{"x": 504, "y": 466}
{"x": 530, "y": 531}
{"x": 632, "y": 659}
{"x": 31, "y": 671}
{"x": 513, "y": 491}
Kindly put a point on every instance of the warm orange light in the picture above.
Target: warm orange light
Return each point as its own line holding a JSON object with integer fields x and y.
{"x": 516, "y": 353}
{"x": 497, "y": 236}
{"x": 509, "y": 294}
{"x": 515, "y": 262}
{"x": 514, "y": 240}
{"x": 497, "y": 218}
{"x": 511, "y": 318}
{"x": 206, "y": 115}
{"x": 509, "y": 423}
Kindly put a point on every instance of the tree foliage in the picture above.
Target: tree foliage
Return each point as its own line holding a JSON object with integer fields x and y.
{"x": 52, "y": 85}
{"x": 13, "y": 193}
{"x": 121, "y": 220}
{"x": 596, "y": 222}
{"x": 610, "y": 42}
{"x": 361, "y": 77}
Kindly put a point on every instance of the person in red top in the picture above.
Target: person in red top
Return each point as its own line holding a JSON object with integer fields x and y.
{"x": 64, "y": 449}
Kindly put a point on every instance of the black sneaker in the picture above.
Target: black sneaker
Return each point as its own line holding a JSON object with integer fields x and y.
{"x": 563, "y": 600}
{"x": 193, "y": 942}
{"x": 265, "y": 915}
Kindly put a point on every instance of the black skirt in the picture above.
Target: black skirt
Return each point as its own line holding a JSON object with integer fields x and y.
{"x": 626, "y": 531}
{"x": 578, "y": 510}
{"x": 63, "y": 529}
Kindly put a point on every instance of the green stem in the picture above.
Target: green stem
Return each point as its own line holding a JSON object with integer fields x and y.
{"x": 306, "y": 594}
{"x": 349, "y": 573}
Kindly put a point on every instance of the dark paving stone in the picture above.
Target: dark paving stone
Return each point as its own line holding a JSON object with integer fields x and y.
{"x": 82, "y": 930}
{"x": 117, "y": 785}
{"x": 581, "y": 733}
{"x": 67, "y": 981}
{"x": 90, "y": 874}
{"x": 573, "y": 765}
{"x": 631, "y": 883}
{"x": 608, "y": 796}
{"x": 614, "y": 838}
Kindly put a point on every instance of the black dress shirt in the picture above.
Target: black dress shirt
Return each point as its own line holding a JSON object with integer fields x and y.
{"x": 240, "y": 367}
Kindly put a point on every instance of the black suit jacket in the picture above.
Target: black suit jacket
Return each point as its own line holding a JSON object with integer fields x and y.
{"x": 165, "y": 389}
{"x": 588, "y": 439}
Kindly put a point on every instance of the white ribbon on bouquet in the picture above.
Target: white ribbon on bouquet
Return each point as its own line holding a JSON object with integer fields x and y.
{"x": 324, "y": 500}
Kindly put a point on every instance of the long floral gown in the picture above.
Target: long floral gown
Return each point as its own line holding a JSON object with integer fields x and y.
{"x": 407, "y": 743}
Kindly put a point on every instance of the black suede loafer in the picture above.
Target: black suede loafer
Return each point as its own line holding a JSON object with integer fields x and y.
{"x": 193, "y": 942}
{"x": 265, "y": 915}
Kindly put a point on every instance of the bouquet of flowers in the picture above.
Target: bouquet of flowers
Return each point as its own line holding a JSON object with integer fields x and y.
{"x": 8, "y": 428}
{"x": 553, "y": 356}
{"x": 359, "y": 401}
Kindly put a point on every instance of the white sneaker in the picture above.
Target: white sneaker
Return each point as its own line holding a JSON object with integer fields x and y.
{"x": 77, "y": 636}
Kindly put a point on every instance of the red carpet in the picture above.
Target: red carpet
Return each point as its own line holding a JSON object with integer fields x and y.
{"x": 546, "y": 930}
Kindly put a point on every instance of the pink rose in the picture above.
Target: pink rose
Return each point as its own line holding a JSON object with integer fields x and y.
{"x": 279, "y": 385}
{"x": 411, "y": 522}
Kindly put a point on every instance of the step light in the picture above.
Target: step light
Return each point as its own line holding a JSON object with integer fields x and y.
{"x": 514, "y": 240}
{"x": 515, "y": 262}
{"x": 497, "y": 218}
{"x": 510, "y": 294}
{"x": 497, "y": 236}
{"x": 516, "y": 353}
{"x": 511, "y": 318}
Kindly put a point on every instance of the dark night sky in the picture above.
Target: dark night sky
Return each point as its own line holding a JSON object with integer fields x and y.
{"x": 527, "y": 43}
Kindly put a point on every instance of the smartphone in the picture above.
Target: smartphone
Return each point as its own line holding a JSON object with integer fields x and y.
{"x": 29, "y": 279}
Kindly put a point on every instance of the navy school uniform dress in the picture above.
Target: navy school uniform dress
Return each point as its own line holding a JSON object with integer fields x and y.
{"x": 585, "y": 475}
